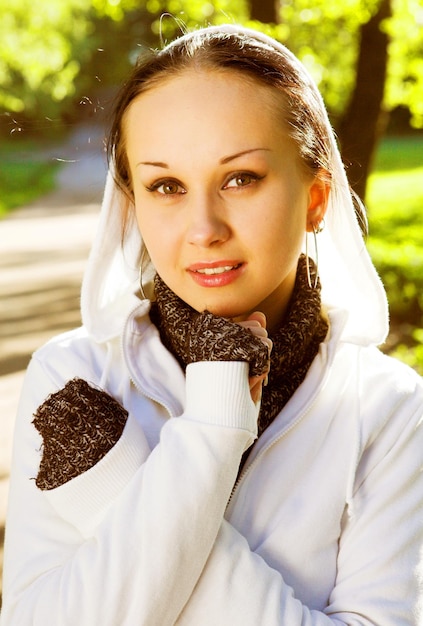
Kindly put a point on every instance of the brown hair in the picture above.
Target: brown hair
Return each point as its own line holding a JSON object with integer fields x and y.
{"x": 213, "y": 49}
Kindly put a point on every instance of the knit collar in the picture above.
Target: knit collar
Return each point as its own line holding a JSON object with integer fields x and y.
{"x": 188, "y": 335}
{"x": 295, "y": 345}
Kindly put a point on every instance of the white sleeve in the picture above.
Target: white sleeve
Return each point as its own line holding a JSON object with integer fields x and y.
{"x": 125, "y": 542}
{"x": 380, "y": 560}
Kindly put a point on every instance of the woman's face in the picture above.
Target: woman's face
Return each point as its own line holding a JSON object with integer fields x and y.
{"x": 221, "y": 199}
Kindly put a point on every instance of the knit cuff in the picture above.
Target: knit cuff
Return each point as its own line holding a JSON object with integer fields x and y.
{"x": 84, "y": 500}
{"x": 218, "y": 392}
{"x": 214, "y": 338}
{"x": 79, "y": 424}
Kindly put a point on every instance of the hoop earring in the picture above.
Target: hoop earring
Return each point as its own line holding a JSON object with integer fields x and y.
{"x": 144, "y": 297}
{"x": 320, "y": 227}
{"x": 316, "y": 230}
{"x": 142, "y": 261}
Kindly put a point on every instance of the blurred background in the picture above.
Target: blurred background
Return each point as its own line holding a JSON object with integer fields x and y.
{"x": 60, "y": 64}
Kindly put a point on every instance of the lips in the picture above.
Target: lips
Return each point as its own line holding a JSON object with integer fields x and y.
{"x": 216, "y": 273}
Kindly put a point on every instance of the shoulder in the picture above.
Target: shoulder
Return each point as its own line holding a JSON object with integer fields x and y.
{"x": 63, "y": 358}
{"x": 391, "y": 401}
{"x": 71, "y": 354}
{"x": 384, "y": 375}
{"x": 376, "y": 373}
{"x": 376, "y": 379}
{"x": 101, "y": 363}
{"x": 387, "y": 395}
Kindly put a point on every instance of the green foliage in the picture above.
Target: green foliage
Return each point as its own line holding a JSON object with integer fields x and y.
{"x": 405, "y": 72}
{"x": 37, "y": 39}
{"x": 114, "y": 9}
{"x": 175, "y": 16}
{"x": 54, "y": 52}
{"x": 395, "y": 199}
{"x": 324, "y": 35}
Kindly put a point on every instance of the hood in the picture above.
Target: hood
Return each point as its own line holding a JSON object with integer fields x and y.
{"x": 349, "y": 279}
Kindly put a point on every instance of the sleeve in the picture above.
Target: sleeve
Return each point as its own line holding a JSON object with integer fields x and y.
{"x": 126, "y": 541}
{"x": 380, "y": 560}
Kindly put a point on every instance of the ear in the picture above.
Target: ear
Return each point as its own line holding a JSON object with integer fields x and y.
{"x": 318, "y": 200}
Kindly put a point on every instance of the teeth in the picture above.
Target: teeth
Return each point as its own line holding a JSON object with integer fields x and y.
{"x": 215, "y": 270}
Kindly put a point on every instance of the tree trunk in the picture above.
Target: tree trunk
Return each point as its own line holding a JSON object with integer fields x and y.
{"x": 361, "y": 125}
{"x": 266, "y": 11}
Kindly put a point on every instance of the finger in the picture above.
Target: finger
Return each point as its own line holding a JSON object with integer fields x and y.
{"x": 255, "y": 328}
{"x": 259, "y": 317}
{"x": 269, "y": 343}
{"x": 256, "y": 387}
{"x": 259, "y": 332}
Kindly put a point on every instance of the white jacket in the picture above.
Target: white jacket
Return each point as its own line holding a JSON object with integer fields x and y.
{"x": 324, "y": 525}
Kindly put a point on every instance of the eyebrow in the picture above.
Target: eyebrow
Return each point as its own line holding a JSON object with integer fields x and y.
{"x": 223, "y": 161}
{"x": 232, "y": 157}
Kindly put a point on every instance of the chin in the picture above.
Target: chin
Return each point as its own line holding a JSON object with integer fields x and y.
{"x": 232, "y": 313}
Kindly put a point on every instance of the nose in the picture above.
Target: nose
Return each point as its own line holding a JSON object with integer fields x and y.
{"x": 208, "y": 223}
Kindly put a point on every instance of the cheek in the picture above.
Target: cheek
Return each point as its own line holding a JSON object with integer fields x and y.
{"x": 284, "y": 219}
{"x": 159, "y": 240}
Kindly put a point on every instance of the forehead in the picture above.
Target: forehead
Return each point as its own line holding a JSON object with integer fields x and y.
{"x": 222, "y": 94}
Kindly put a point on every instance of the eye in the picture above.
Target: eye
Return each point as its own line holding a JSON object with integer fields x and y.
{"x": 241, "y": 179}
{"x": 167, "y": 187}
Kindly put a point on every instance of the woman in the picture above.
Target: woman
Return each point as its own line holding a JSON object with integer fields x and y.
{"x": 183, "y": 475}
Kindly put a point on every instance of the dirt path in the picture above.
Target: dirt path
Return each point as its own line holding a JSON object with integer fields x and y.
{"x": 43, "y": 252}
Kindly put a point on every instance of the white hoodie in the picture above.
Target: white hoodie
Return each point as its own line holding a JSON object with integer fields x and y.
{"x": 325, "y": 524}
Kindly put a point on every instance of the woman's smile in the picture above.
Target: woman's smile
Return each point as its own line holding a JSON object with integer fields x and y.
{"x": 216, "y": 274}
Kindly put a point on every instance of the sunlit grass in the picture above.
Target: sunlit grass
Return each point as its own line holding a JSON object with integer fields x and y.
{"x": 23, "y": 175}
{"x": 22, "y": 183}
{"x": 395, "y": 204}
{"x": 399, "y": 153}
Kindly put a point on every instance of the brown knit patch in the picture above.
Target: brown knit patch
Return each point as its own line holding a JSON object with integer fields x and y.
{"x": 79, "y": 425}
{"x": 193, "y": 336}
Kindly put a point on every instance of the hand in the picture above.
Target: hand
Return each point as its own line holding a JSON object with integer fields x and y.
{"x": 256, "y": 324}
